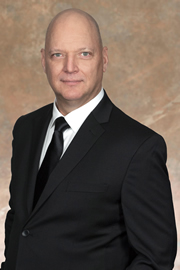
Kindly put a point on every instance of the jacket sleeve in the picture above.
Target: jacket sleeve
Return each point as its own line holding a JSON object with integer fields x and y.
{"x": 10, "y": 215}
{"x": 148, "y": 208}
{"x": 8, "y": 226}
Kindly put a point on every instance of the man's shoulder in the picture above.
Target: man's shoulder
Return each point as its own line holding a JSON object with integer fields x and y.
{"x": 132, "y": 134}
{"x": 26, "y": 119}
{"x": 129, "y": 126}
{"x": 39, "y": 111}
{"x": 124, "y": 126}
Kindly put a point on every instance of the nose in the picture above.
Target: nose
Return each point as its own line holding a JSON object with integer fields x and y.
{"x": 70, "y": 64}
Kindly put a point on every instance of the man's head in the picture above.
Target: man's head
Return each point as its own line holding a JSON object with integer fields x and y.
{"x": 74, "y": 59}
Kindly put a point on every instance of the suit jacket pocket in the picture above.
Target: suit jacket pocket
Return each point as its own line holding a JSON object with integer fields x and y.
{"x": 86, "y": 187}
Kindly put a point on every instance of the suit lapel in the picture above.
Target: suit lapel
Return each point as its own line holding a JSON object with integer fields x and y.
{"x": 39, "y": 129}
{"x": 88, "y": 134}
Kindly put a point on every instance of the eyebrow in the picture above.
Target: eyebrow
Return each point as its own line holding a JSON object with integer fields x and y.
{"x": 85, "y": 49}
{"x": 54, "y": 51}
{"x": 80, "y": 49}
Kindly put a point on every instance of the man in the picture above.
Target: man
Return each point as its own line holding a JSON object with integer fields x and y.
{"x": 106, "y": 204}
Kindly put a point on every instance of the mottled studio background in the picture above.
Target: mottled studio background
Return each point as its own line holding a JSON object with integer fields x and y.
{"x": 143, "y": 78}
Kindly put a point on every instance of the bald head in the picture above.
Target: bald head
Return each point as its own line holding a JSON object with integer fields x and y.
{"x": 75, "y": 15}
{"x": 74, "y": 59}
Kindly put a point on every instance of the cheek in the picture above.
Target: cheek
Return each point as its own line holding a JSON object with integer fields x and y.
{"x": 94, "y": 73}
{"x": 89, "y": 71}
{"x": 52, "y": 72}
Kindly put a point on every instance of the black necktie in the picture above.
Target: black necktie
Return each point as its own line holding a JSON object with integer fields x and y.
{"x": 51, "y": 158}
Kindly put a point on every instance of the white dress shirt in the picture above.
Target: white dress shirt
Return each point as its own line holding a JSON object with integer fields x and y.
{"x": 75, "y": 119}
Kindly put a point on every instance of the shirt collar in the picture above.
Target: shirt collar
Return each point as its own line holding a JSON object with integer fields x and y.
{"x": 76, "y": 118}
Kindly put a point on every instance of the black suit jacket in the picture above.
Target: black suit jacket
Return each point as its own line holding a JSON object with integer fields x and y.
{"x": 107, "y": 204}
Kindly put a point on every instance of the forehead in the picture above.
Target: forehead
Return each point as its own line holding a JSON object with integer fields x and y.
{"x": 72, "y": 31}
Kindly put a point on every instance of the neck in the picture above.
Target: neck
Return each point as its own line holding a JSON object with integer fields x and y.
{"x": 67, "y": 106}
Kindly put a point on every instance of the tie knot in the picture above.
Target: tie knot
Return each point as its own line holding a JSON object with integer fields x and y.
{"x": 61, "y": 124}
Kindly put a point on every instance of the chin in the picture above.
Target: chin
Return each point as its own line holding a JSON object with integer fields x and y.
{"x": 70, "y": 95}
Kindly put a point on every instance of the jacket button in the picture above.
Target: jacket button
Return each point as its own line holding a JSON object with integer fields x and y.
{"x": 25, "y": 233}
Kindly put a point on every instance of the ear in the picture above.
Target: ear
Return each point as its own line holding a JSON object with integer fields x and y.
{"x": 105, "y": 58}
{"x": 43, "y": 62}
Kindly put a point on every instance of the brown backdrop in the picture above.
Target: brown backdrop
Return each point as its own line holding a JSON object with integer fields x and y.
{"x": 143, "y": 77}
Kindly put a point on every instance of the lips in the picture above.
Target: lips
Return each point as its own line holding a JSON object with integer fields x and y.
{"x": 71, "y": 82}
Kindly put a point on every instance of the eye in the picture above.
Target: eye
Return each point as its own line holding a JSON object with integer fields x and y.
{"x": 85, "y": 53}
{"x": 57, "y": 55}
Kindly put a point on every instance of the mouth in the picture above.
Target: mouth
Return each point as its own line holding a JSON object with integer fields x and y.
{"x": 71, "y": 82}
